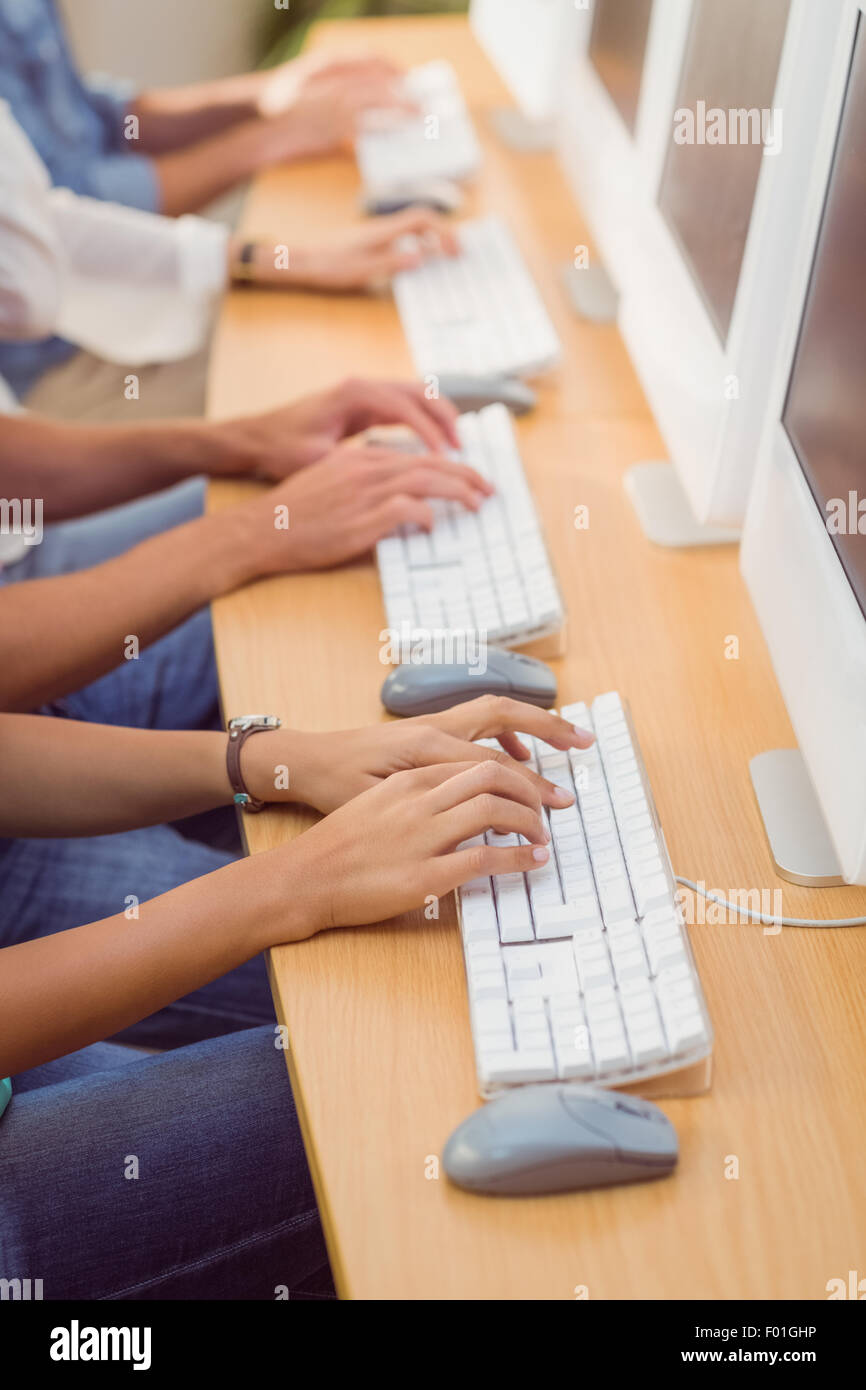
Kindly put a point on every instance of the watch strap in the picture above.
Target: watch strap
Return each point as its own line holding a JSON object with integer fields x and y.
{"x": 244, "y": 267}
{"x": 237, "y": 739}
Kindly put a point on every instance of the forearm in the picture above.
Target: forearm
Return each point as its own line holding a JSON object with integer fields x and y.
{"x": 78, "y": 469}
{"x": 65, "y": 777}
{"x": 63, "y": 992}
{"x": 61, "y": 777}
{"x": 175, "y": 116}
{"x": 59, "y": 634}
{"x": 192, "y": 177}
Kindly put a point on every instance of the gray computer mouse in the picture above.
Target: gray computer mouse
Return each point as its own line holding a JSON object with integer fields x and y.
{"x": 427, "y": 689}
{"x": 476, "y": 392}
{"x": 440, "y": 195}
{"x": 557, "y": 1138}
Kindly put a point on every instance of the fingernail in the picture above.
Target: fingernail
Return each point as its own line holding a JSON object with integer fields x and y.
{"x": 560, "y": 794}
{"x": 540, "y": 855}
{"x": 584, "y": 733}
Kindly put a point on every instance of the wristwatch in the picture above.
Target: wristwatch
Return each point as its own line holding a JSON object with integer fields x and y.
{"x": 244, "y": 270}
{"x": 239, "y": 730}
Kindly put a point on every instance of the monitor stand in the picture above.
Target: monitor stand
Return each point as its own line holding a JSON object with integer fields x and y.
{"x": 796, "y": 830}
{"x": 664, "y": 511}
{"x": 521, "y": 133}
{"x": 591, "y": 293}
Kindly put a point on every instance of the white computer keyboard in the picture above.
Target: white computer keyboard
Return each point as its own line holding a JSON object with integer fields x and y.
{"x": 479, "y": 312}
{"x": 439, "y": 143}
{"x": 486, "y": 573}
{"x": 582, "y": 969}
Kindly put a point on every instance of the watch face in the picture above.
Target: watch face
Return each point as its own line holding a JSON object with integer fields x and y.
{"x": 254, "y": 721}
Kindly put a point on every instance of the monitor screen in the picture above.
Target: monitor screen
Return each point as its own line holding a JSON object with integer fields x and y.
{"x": 708, "y": 189}
{"x": 825, "y": 413}
{"x": 617, "y": 48}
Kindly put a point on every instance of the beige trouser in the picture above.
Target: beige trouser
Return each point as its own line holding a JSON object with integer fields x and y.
{"x": 88, "y": 388}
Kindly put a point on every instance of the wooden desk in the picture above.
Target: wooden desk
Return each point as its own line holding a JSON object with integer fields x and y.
{"x": 381, "y": 1058}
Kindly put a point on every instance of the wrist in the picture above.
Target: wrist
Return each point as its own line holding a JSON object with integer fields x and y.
{"x": 209, "y": 448}
{"x": 229, "y": 554}
{"x": 271, "y": 544}
{"x": 290, "y": 893}
{"x": 163, "y": 453}
{"x": 265, "y": 263}
{"x": 232, "y": 448}
{"x": 281, "y": 138}
{"x": 272, "y": 765}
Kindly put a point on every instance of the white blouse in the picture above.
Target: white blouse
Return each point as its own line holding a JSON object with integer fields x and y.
{"x": 131, "y": 286}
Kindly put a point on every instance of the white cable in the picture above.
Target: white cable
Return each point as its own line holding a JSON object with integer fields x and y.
{"x": 766, "y": 918}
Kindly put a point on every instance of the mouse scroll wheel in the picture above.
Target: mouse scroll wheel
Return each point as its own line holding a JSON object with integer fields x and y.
{"x": 643, "y": 1112}
{"x": 628, "y": 1107}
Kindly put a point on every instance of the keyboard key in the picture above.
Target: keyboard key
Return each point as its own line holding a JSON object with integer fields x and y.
{"x": 574, "y": 1064}
{"x": 647, "y": 1046}
{"x": 685, "y": 1032}
{"x": 519, "y": 1067}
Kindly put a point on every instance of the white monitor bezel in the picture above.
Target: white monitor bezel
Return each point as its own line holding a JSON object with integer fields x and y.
{"x": 710, "y": 401}
{"x": 611, "y": 171}
{"x": 533, "y": 70}
{"x": 813, "y": 624}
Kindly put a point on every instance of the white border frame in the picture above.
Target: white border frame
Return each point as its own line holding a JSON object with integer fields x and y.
{"x": 812, "y": 621}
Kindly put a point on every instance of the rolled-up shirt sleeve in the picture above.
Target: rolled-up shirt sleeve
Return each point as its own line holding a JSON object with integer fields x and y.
{"x": 31, "y": 256}
{"x": 133, "y": 287}
{"x": 139, "y": 287}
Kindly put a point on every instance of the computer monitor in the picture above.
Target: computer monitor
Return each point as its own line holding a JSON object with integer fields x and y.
{"x": 612, "y": 131}
{"x": 707, "y": 191}
{"x": 617, "y": 47}
{"x": 528, "y": 42}
{"x": 710, "y": 278}
{"x": 804, "y": 544}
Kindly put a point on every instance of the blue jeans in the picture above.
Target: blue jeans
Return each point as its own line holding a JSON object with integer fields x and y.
{"x": 173, "y": 684}
{"x": 178, "y": 1176}
{"x": 51, "y": 885}
{"x": 48, "y": 886}
{"x": 67, "y": 546}
{"x": 223, "y": 1205}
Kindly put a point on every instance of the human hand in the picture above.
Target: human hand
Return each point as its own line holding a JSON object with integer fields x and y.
{"x": 325, "y": 112}
{"x": 328, "y": 769}
{"x": 278, "y": 443}
{"x": 278, "y": 88}
{"x": 392, "y": 848}
{"x": 361, "y": 258}
{"x": 338, "y": 508}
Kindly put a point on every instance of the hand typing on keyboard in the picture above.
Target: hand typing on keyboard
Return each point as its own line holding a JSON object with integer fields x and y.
{"x": 401, "y": 843}
{"x": 294, "y": 436}
{"x": 363, "y": 258}
{"x": 329, "y": 769}
{"x": 340, "y": 507}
